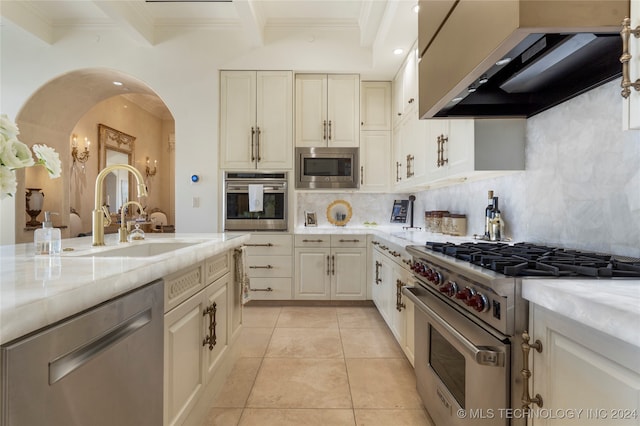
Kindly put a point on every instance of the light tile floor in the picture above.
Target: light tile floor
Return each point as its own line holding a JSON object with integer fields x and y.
{"x": 321, "y": 366}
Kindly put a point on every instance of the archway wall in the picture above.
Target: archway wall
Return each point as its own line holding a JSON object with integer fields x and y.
{"x": 186, "y": 79}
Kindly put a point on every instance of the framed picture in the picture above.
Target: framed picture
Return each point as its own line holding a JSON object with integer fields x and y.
{"x": 310, "y": 219}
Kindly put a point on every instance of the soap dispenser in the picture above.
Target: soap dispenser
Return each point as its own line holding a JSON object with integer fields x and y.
{"x": 47, "y": 239}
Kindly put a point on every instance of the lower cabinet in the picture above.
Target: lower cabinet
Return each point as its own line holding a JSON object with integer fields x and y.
{"x": 197, "y": 331}
{"x": 269, "y": 266}
{"x": 390, "y": 272}
{"x": 579, "y": 368}
{"x": 330, "y": 267}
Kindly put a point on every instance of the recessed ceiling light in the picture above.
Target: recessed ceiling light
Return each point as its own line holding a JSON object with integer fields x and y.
{"x": 503, "y": 61}
{"x": 398, "y": 51}
{"x": 117, "y": 83}
{"x": 416, "y": 8}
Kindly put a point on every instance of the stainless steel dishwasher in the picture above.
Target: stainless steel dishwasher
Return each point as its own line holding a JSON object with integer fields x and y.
{"x": 100, "y": 367}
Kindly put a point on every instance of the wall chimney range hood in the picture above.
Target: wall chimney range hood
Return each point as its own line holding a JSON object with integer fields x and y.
{"x": 517, "y": 58}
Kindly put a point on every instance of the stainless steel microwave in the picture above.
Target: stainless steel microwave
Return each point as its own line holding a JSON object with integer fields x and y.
{"x": 327, "y": 168}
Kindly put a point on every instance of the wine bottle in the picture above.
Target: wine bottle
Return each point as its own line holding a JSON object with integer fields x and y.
{"x": 495, "y": 222}
{"x": 487, "y": 215}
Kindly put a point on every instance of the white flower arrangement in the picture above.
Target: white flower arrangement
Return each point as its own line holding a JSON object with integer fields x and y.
{"x": 15, "y": 155}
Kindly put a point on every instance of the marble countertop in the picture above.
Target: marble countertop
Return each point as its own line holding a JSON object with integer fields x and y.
{"x": 36, "y": 291}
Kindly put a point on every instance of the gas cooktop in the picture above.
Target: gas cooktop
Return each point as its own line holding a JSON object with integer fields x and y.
{"x": 525, "y": 259}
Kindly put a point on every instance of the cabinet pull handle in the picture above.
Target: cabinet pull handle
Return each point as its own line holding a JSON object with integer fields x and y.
{"x": 441, "y": 160}
{"x": 312, "y": 241}
{"x": 378, "y": 279}
{"x": 262, "y": 289}
{"x": 355, "y": 240}
{"x": 258, "y": 132}
{"x": 253, "y": 136}
{"x": 329, "y": 129}
{"x": 361, "y": 175}
{"x": 399, "y": 304}
{"x": 261, "y": 267}
{"x": 398, "y": 178}
{"x": 625, "y": 33}
{"x": 211, "y": 339}
{"x": 410, "y": 172}
{"x": 324, "y": 130}
{"x": 328, "y": 265}
{"x": 333, "y": 265}
{"x": 526, "y": 373}
{"x": 260, "y": 245}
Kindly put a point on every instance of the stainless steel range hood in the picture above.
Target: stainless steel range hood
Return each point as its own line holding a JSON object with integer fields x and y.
{"x": 515, "y": 58}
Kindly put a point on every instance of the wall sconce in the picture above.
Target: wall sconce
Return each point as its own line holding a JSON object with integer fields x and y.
{"x": 80, "y": 157}
{"x": 151, "y": 172}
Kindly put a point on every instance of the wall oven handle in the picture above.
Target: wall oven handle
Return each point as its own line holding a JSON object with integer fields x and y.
{"x": 245, "y": 188}
{"x": 482, "y": 355}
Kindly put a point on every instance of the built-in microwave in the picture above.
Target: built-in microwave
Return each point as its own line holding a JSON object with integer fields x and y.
{"x": 327, "y": 168}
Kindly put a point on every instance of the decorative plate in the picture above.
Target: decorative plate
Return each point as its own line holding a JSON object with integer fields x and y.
{"x": 339, "y": 212}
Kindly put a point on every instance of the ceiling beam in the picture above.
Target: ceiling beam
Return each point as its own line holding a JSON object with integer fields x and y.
{"x": 131, "y": 18}
{"x": 251, "y": 22}
{"x": 27, "y": 18}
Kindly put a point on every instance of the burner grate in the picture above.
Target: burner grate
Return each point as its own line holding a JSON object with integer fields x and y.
{"x": 525, "y": 259}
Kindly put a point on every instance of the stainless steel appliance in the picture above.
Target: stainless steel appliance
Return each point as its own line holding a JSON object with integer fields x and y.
{"x": 101, "y": 367}
{"x": 319, "y": 167}
{"x": 469, "y": 319}
{"x": 238, "y": 217}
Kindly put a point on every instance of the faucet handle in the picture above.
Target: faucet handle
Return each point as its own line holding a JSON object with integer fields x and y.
{"x": 107, "y": 216}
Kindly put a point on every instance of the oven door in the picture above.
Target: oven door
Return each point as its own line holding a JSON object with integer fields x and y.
{"x": 273, "y": 217}
{"x": 462, "y": 371}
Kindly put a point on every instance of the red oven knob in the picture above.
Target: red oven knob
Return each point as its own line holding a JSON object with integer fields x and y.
{"x": 437, "y": 278}
{"x": 449, "y": 288}
{"x": 479, "y": 302}
{"x": 465, "y": 294}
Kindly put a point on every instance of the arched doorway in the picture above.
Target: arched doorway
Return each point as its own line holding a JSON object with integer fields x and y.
{"x": 53, "y": 114}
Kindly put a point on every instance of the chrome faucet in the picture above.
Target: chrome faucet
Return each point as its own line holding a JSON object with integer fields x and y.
{"x": 123, "y": 232}
{"x": 100, "y": 211}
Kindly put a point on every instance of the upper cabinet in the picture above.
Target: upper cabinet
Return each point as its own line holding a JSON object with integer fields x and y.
{"x": 375, "y": 105}
{"x": 514, "y": 58}
{"x": 327, "y": 110}
{"x": 405, "y": 88}
{"x": 256, "y": 111}
{"x": 631, "y": 104}
{"x": 375, "y": 136}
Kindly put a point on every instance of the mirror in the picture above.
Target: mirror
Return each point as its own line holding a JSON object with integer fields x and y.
{"x": 116, "y": 148}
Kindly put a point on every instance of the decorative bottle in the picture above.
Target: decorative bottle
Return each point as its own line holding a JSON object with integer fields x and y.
{"x": 487, "y": 215}
{"x": 495, "y": 224}
{"x": 47, "y": 240}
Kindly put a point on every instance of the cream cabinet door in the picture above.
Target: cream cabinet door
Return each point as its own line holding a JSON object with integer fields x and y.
{"x": 274, "y": 119}
{"x": 343, "y": 110}
{"x": 375, "y": 164}
{"x": 631, "y": 105}
{"x": 311, "y": 110}
{"x": 582, "y": 368}
{"x": 312, "y": 271}
{"x": 410, "y": 83}
{"x": 183, "y": 359}
{"x": 375, "y": 106}
{"x": 237, "y": 119}
{"x": 215, "y": 316}
{"x": 460, "y": 148}
{"x": 348, "y": 274}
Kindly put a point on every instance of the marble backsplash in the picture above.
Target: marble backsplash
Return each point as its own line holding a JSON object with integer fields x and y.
{"x": 581, "y": 187}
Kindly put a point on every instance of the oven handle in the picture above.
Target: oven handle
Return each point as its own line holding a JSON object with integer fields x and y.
{"x": 482, "y": 355}
{"x": 245, "y": 188}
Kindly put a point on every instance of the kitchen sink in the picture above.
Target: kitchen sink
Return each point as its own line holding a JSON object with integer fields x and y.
{"x": 143, "y": 249}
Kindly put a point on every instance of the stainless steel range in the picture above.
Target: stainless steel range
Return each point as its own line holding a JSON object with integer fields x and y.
{"x": 469, "y": 319}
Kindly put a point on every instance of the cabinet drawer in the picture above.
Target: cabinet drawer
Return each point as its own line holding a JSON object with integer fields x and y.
{"x": 181, "y": 285}
{"x": 313, "y": 240}
{"x": 349, "y": 240}
{"x": 269, "y": 244}
{"x": 217, "y": 266}
{"x": 269, "y": 266}
{"x": 280, "y": 288}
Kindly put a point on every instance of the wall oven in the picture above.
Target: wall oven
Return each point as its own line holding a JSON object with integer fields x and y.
{"x": 270, "y": 187}
{"x": 330, "y": 168}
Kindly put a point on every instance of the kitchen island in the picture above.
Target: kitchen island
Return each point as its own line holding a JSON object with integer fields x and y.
{"x": 37, "y": 291}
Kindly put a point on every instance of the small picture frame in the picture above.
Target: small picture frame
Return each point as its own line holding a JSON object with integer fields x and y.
{"x": 310, "y": 219}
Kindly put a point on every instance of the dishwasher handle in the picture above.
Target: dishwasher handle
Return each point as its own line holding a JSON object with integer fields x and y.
{"x": 75, "y": 359}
